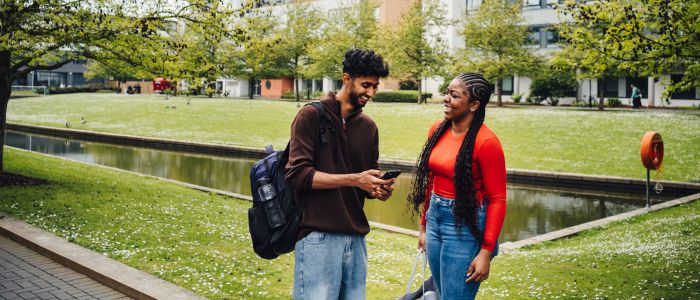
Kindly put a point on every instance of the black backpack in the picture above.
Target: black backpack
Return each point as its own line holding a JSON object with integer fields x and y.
{"x": 274, "y": 219}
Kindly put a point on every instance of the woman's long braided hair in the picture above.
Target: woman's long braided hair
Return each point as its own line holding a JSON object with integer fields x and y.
{"x": 478, "y": 89}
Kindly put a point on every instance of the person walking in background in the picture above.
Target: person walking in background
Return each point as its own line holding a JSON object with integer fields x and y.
{"x": 460, "y": 186}
{"x": 636, "y": 97}
{"x": 333, "y": 179}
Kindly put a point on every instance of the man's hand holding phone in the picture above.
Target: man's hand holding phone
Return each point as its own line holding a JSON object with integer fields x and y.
{"x": 384, "y": 191}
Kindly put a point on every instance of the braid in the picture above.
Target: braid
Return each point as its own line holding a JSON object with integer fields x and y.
{"x": 421, "y": 176}
{"x": 465, "y": 202}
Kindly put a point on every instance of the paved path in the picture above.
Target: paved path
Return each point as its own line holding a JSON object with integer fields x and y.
{"x": 25, "y": 274}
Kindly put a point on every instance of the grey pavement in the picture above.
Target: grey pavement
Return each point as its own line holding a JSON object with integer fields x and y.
{"x": 25, "y": 274}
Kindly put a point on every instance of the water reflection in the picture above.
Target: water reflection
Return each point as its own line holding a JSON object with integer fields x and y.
{"x": 531, "y": 210}
{"x": 223, "y": 173}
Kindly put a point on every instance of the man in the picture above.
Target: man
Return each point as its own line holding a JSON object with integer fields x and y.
{"x": 333, "y": 179}
{"x": 636, "y": 97}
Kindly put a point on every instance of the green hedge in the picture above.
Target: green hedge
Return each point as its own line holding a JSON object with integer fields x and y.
{"x": 399, "y": 96}
{"x": 82, "y": 89}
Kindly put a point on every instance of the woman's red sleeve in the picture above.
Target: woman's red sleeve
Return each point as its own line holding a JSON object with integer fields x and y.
{"x": 493, "y": 169}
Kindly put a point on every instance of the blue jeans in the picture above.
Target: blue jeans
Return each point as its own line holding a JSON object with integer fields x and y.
{"x": 330, "y": 266}
{"x": 451, "y": 252}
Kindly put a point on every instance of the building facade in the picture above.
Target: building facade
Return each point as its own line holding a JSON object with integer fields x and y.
{"x": 541, "y": 18}
{"x": 71, "y": 74}
{"x": 387, "y": 11}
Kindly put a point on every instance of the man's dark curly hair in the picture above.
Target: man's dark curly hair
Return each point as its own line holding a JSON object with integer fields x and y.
{"x": 361, "y": 62}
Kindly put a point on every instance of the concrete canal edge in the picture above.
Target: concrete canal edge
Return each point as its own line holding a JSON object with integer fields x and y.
{"x": 573, "y": 230}
{"x": 559, "y": 179}
{"x": 120, "y": 277}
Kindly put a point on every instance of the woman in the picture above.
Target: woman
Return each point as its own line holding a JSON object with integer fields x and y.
{"x": 461, "y": 184}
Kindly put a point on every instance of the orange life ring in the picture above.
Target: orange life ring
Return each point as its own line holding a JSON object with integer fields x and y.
{"x": 652, "y": 150}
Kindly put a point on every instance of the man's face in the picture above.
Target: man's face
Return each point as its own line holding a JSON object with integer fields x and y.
{"x": 362, "y": 89}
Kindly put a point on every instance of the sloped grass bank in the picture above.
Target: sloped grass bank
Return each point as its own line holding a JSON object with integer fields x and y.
{"x": 200, "y": 241}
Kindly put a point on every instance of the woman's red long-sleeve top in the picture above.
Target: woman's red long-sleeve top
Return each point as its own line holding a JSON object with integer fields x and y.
{"x": 488, "y": 173}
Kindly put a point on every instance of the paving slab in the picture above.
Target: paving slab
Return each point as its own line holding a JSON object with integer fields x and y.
{"x": 41, "y": 277}
{"x": 86, "y": 273}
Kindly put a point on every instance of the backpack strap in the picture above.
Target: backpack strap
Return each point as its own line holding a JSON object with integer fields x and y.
{"x": 324, "y": 126}
{"x": 324, "y": 119}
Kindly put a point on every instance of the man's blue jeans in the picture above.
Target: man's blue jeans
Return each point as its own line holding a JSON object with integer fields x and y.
{"x": 330, "y": 266}
{"x": 450, "y": 252}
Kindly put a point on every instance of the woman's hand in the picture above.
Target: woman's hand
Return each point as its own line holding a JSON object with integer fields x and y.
{"x": 479, "y": 268}
{"x": 421, "y": 238}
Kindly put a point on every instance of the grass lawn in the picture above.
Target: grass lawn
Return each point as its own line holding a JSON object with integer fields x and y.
{"x": 538, "y": 138}
{"x": 200, "y": 241}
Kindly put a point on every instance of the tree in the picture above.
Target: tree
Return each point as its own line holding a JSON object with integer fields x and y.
{"x": 350, "y": 27}
{"x": 495, "y": 43}
{"x": 48, "y": 34}
{"x": 120, "y": 72}
{"x": 552, "y": 84}
{"x": 413, "y": 50}
{"x": 574, "y": 60}
{"x": 652, "y": 38}
{"x": 256, "y": 54}
{"x": 300, "y": 34}
{"x": 200, "y": 59}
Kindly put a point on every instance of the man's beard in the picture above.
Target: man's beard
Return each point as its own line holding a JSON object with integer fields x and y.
{"x": 355, "y": 99}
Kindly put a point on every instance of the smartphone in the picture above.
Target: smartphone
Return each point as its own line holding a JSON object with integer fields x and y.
{"x": 391, "y": 174}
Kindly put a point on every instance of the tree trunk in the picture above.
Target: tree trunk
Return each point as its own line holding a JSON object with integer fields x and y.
{"x": 601, "y": 93}
{"x": 5, "y": 91}
{"x": 499, "y": 102}
{"x": 420, "y": 92}
{"x": 251, "y": 86}
{"x": 296, "y": 89}
{"x": 4, "y": 98}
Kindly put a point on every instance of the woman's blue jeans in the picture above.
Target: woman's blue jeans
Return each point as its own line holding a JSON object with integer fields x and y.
{"x": 450, "y": 252}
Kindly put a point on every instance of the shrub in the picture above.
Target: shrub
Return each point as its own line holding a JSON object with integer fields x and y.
{"x": 529, "y": 99}
{"x": 288, "y": 94}
{"x": 613, "y": 102}
{"x": 209, "y": 91}
{"x": 517, "y": 97}
{"x": 317, "y": 94}
{"x": 552, "y": 84}
{"x": 91, "y": 88}
{"x": 168, "y": 91}
{"x": 397, "y": 96}
{"x": 408, "y": 85}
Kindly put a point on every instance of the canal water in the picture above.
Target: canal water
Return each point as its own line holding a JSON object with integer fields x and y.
{"x": 532, "y": 210}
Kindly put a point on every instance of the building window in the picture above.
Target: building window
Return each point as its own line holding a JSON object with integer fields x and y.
{"x": 610, "y": 85}
{"x": 507, "y": 86}
{"x": 689, "y": 94}
{"x": 533, "y": 37}
{"x": 78, "y": 79}
{"x": 531, "y": 3}
{"x": 473, "y": 4}
{"x": 50, "y": 79}
{"x": 552, "y": 36}
{"x": 337, "y": 85}
{"x": 641, "y": 83}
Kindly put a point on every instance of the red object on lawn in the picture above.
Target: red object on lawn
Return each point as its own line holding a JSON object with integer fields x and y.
{"x": 160, "y": 84}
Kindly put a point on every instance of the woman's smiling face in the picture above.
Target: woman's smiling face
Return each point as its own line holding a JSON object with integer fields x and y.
{"x": 456, "y": 101}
